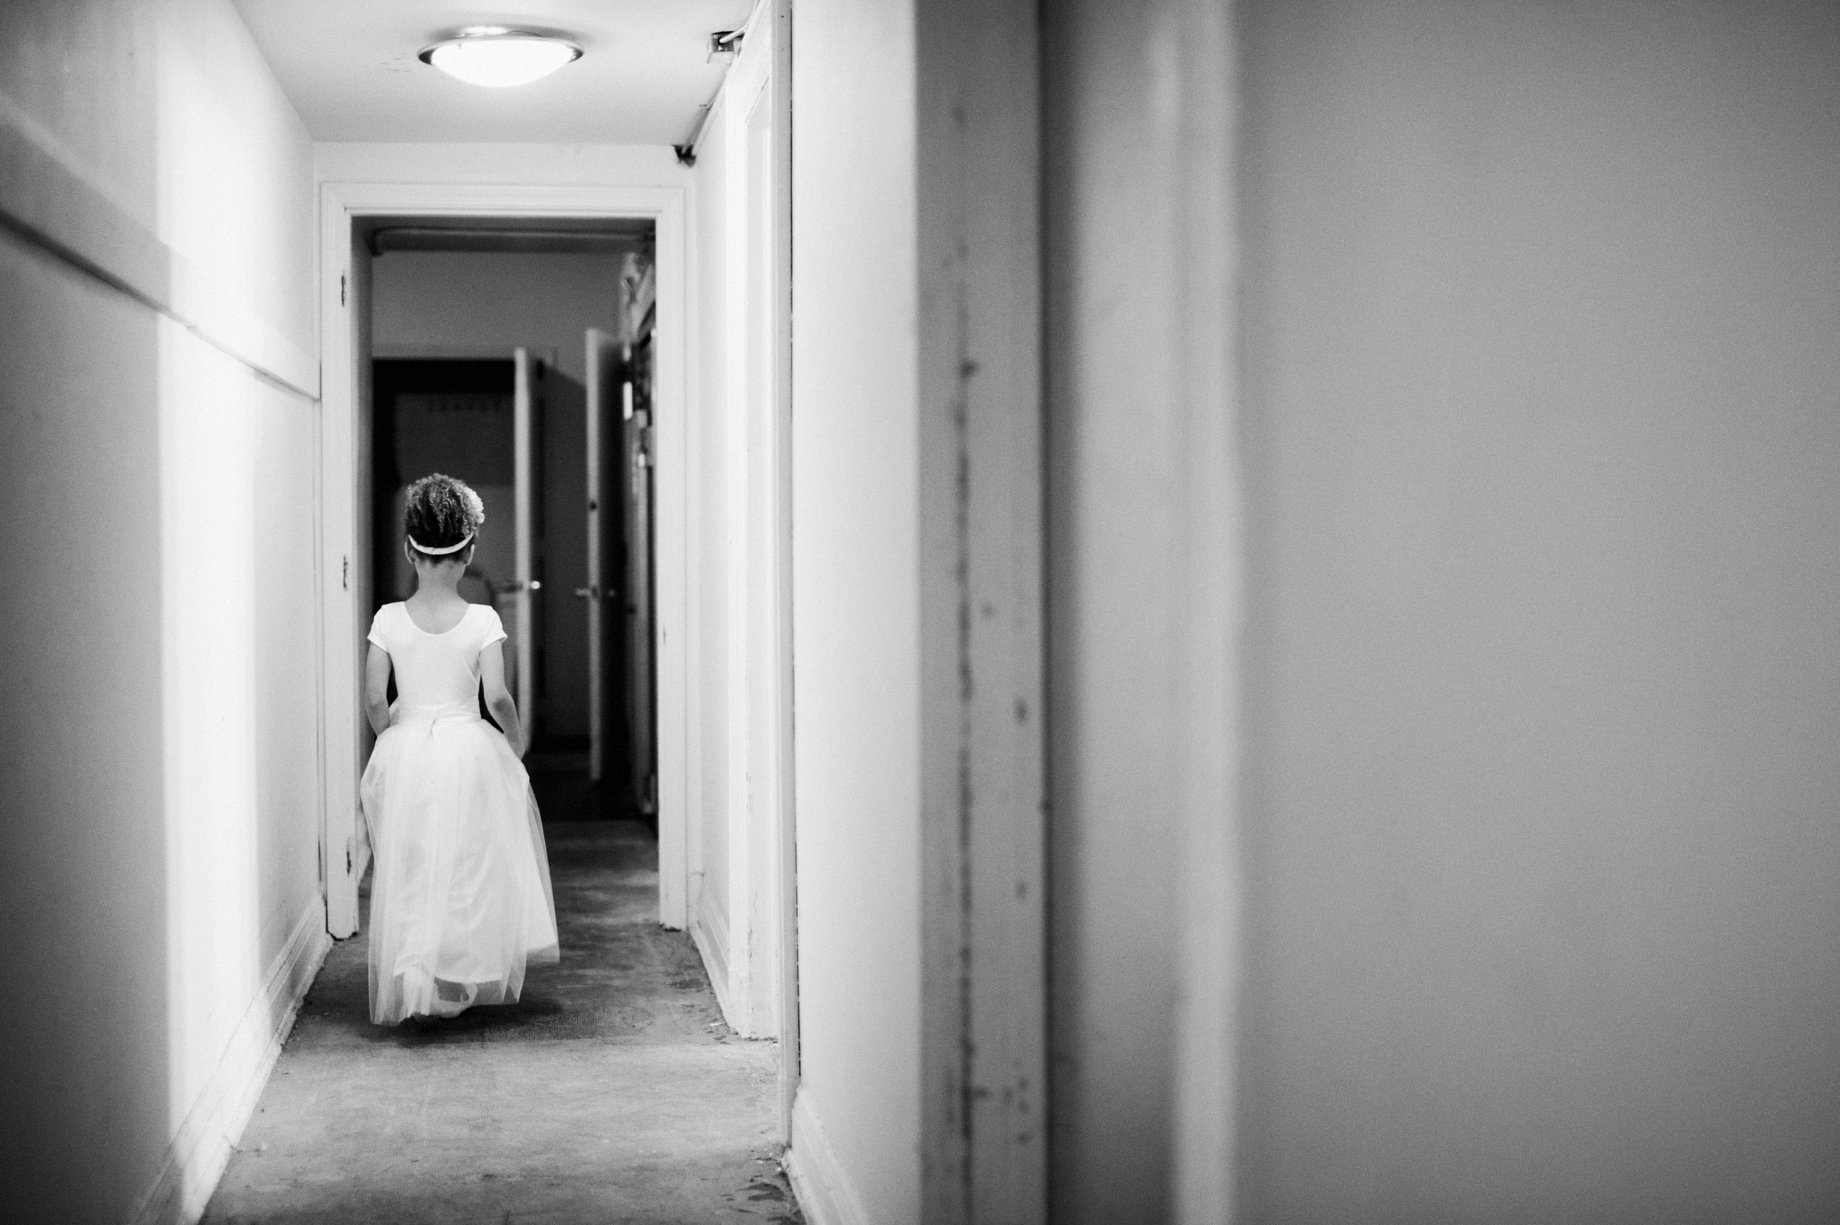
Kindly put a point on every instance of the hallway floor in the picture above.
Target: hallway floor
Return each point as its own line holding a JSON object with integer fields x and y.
{"x": 612, "y": 1092}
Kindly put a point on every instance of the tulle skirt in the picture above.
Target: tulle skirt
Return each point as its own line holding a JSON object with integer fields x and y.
{"x": 461, "y": 898}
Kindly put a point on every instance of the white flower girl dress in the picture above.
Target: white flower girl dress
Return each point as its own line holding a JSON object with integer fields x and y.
{"x": 461, "y": 898}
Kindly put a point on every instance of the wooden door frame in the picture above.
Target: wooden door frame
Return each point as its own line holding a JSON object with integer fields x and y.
{"x": 340, "y": 486}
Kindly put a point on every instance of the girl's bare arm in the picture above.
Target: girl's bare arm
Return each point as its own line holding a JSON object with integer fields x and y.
{"x": 498, "y": 698}
{"x": 377, "y": 688}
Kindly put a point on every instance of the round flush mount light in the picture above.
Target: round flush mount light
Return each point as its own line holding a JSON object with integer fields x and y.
{"x": 498, "y": 56}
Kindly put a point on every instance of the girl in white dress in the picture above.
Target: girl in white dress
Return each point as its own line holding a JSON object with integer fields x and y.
{"x": 461, "y": 899}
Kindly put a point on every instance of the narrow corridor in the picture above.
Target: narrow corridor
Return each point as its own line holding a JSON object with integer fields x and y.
{"x": 612, "y": 1091}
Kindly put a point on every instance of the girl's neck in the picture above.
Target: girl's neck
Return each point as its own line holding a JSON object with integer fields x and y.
{"x": 437, "y": 584}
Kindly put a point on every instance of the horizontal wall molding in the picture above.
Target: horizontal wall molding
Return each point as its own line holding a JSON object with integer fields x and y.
{"x": 816, "y": 1173}
{"x": 51, "y": 202}
{"x": 200, "y": 1152}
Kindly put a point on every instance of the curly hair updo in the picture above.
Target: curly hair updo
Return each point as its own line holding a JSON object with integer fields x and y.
{"x": 441, "y": 514}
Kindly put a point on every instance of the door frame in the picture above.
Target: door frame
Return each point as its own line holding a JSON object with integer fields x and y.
{"x": 340, "y": 486}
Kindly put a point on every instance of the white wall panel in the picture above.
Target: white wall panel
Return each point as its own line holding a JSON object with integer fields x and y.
{"x": 711, "y": 531}
{"x": 161, "y": 765}
{"x": 856, "y": 570}
{"x": 1545, "y": 712}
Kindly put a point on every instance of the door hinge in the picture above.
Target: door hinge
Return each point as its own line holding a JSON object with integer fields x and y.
{"x": 345, "y": 572}
{"x": 341, "y": 289}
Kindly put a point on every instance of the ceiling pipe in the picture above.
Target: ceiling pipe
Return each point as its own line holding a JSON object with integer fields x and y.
{"x": 724, "y": 45}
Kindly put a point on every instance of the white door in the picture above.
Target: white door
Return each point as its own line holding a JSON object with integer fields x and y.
{"x": 641, "y": 658}
{"x": 603, "y": 366}
{"x": 525, "y": 400}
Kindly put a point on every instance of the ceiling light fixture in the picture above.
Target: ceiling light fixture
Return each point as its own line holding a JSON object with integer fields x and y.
{"x": 499, "y": 56}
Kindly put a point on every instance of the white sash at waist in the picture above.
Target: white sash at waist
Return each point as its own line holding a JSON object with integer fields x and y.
{"x": 432, "y": 713}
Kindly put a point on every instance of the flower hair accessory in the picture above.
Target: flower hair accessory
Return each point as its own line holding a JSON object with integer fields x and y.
{"x": 475, "y": 508}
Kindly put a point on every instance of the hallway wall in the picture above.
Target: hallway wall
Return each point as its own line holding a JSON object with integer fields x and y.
{"x": 856, "y": 574}
{"x": 1142, "y": 556}
{"x": 735, "y": 531}
{"x": 711, "y": 701}
{"x": 1544, "y": 720}
{"x": 160, "y": 890}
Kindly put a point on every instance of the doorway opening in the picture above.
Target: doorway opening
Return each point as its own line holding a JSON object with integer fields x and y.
{"x": 516, "y": 354}
{"x": 672, "y": 361}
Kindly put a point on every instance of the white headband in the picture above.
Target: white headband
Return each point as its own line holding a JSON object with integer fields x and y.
{"x": 452, "y": 548}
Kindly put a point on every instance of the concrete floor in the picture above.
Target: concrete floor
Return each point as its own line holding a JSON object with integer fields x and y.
{"x": 612, "y": 1092}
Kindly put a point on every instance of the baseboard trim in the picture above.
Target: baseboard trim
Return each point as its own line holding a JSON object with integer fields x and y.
{"x": 824, "y": 1191}
{"x": 199, "y": 1153}
{"x": 709, "y": 932}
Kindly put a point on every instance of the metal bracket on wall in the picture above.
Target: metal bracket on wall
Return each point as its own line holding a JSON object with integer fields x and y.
{"x": 724, "y": 45}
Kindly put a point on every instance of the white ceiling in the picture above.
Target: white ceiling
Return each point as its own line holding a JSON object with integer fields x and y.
{"x": 350, "y": 68}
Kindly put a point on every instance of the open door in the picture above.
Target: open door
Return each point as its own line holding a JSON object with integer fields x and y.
{"x": 346, "y": 590}
{"x": 603, "y": 366}
{"x": 526, "y": 399}
{"x": 641, "y": 678}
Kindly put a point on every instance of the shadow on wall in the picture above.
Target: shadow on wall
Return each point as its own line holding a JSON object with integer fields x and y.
{"x": 159, "y": 887}
{"x": 83, "y": 883}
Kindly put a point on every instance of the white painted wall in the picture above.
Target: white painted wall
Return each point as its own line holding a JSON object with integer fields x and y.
{"x": 736, "y": 535}
{"x": 159, "y": 757}
{"x": 1539, "y": 719}
{"x": 1544, "y": 721}
{"x": 1117, "y": 718}
{"x": 984, "y": 1066}
{"x": 711, "y": 447}
{"x": 856, "y": 649}
{"x": 484, "y": 164}
{"x": 435, "y": 301}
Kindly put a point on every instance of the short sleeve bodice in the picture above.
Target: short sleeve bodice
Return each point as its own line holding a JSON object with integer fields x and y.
{"x": 435, "y": 669}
